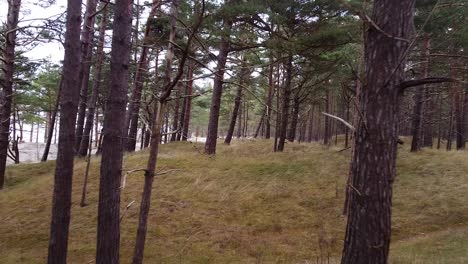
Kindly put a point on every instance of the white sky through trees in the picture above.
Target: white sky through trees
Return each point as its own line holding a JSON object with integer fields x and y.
{"x": 33, "y": 14}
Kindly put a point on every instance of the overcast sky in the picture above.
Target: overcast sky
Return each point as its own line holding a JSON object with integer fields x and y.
{"x": 30, "y": 10}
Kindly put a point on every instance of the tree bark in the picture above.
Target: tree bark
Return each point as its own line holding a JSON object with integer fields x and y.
{"x": 295, "y": 118}
{"x": 428, "y": 139}
{"x": 285, "y": 105}
{"x": 235, "y": 112}
{"x": 160, "y": 110}
{"x": 52, "y": 124}
{"x": 141, "y": 72}
{"x": 85, "y": 139}
{"x": 188, "y": 102}
{"x": 7, "y": 83}
{"x": 419, "y": 105}
{"x": 269, "y": 102}
{"x": 175, "y": 120}
{"x": 373, "y": 169}
{"x": 212, "y": 135}
{"x": 108, "y": 231}
{"x": 61, "y": 201}
{"x": 86, "y": 54}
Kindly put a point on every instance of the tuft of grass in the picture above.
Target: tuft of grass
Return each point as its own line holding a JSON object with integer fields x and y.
{"x": 244, "y": 205}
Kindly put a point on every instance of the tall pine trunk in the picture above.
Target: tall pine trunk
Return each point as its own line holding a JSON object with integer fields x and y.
{"x": 86, "y": 54}
{"x": 85, "y": 139}
{"x": 7, "y": 83}
{"x": 285, "y": 106}
{"x": 63, "y": 178}
{"x": 212, "y": 134}
{"x": 373, "y": 169}
{"x": 52, "y": 124}
{"x": 108, "y": 230}
{"x": 188, "y": 102}
{"x": 141, "y": 72}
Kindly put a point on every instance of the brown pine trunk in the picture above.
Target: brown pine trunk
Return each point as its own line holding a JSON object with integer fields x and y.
{"x": 212, "y": 135}
{"x": 428, "y": 140}
{"x": 160, "y": 110}
{"x": 327, "y": 131}
{"x": 420, "y": 107}
{"x": 373, "y": 169}
{"x": 86, "y": 54}
{"x": 6, "y": 83}
{"x": 235, "y": 112}
{"x": 31, "y": 134}
{"x": 141, "y": 72}
{"x": 294, "y": 120}
{"x": 52, "y": 124}
{"x": 61, "y": 201}
{"x": 85, "y": 139}
{"x": 285, "y": 105}
{"x": 108, "y": 231}
{"x": 269, "y": 102}
{"x": 175, "y": 120}
{"x": 188, "y": 102}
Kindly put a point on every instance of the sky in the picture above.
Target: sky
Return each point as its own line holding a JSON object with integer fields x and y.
{"x": 30, "y": 10}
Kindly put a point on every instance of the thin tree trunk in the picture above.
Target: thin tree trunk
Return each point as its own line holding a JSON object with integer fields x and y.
{"x": 285, "y": 106}
{"x": 31, "y": 133}
{"x": 108, "y": 231}
{"x": 141, "y": 72}
{"x": 212, "y": 135}
{"x": 295, "y": 119}
{"x": 235, "y": 112}
{"x": 327, "y": 131}
{"x": 52, "y": 123}
{"x": 86, "y": 139}
{"x": 269, "y": 102}
{"x": 6, "y": 83}
{"x": 86, "y": 54}
{"x": 88, "y": 164}
{"x": 428, "y": 140}
{"x": 373, "y": 169}
{"x": 61, "y": 202}
{"x": 188, "y": 102}
{"x": 175, "y": 120}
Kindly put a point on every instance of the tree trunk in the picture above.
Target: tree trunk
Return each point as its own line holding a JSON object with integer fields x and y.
{"x": 269, "y": 102}
{"x": 327, "y": 132}
{"x": 52, "y": 124}
{"x": 61, "y": 201}
{"x": 7, "y": 83}
{"x": 86, "y": 54}
{"x": 235, "y": 112}
{"x": 429, "y": 104}
{"x": 160, "y": 109}
{"x": 85, "y": 139}
{"x": 416, "y": 127}
{"x": 175, "y": 120}
{"x": 373, "y": 169}
{"x": 285, "y": 106}
{"x": 108, "y": 231}
{"x": 420, "y": 108}
{"x": 188, "y": 102}
{"x": 212, "y": 135}
{"x": 141, "y": 72}
{"x": 295, "y": 119}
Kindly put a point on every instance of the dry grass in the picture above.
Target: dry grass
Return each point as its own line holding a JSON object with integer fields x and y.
{"x": 246, "y": 205}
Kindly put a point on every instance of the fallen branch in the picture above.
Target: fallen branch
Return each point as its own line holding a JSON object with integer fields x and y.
{"x": 412, "y": 83}
{"x": 341, "y": 120}
{"x": 124, "y": 177}
{"x": 126, "y": 209}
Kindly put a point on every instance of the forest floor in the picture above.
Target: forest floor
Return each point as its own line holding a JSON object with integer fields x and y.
{"x": 245, "y": 205}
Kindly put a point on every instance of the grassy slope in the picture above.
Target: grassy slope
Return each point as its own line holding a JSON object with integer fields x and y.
{"x": 246, "y": 205}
